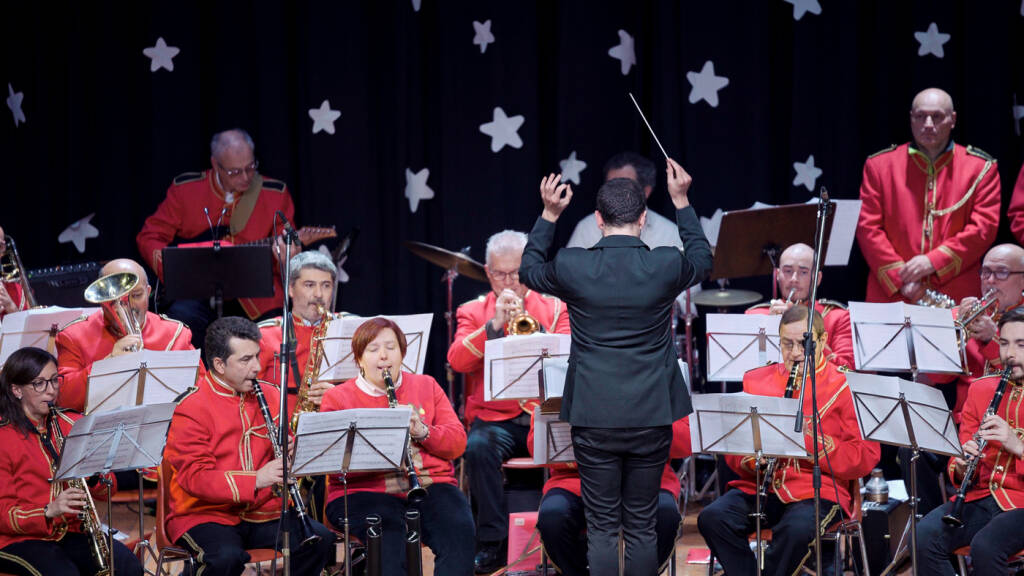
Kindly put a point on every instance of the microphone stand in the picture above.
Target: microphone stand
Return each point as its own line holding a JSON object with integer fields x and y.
{"x": 810, "y": 370}
{"x": 287, "y": 355}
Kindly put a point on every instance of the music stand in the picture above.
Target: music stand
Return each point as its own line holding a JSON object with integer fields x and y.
{"x": 115, "y": 441}
{"x": 747, "y": 425}
{"x": 740, "y": 342}
{"x": 141, "y": 378}
{"x": 900, "y": 337}
{"x": 512, "y": 364}
{"x": 354, "y": 440}
{"x": 894, "y": 411}
{"x": 338, "y": 364}
{"x": 221, "y": 272}
{"x": 37, "y": 327}
{"x": 552, "y": 438}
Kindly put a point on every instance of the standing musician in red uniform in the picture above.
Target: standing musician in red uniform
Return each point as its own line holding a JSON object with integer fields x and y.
{"x": 1015, "y": 212}
{"x": 789, "y": 506}
{"x": 40, "y": 530}
{"x": 223, "y": 466}
{"x": 498, "y": 428}
{"x": 235, "y": 194}
{"x": 992, "y": 511}
{"x": 794, "y": 279}
{"x": 929, "y": 209}
{"x": 99, "y": 336}
{"x": 11, "y": 299}
{"x": 436, "y": 438}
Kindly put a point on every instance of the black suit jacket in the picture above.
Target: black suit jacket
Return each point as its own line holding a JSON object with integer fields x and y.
{"x": 622, "y": 365}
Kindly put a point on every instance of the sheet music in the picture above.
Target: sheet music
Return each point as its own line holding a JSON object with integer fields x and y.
{"x": 511, "y": 364}
{"x": 32, "y": 327}
{"x": 555, "y": 370}
{"x": 338, "y": 364}
{"x": 721, "y": 424}
{"x": 880, "y": 338}
{"x": 552, "y": 439}
{"x": 380, "y": 441}
{"x": 741, "y": 342}
{"x": 712, "y": 225}
{"x": 163, "y": 376}
{"x": 844, "y": 229}
{"x": 935, "y": 344}
{"x": 140, "y": 433}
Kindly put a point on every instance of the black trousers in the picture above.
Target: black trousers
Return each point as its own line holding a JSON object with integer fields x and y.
{"x": 727, "y": 522}
{"x": 68, "y": 556}
{"x": 488, "y": 445}
{"x": 993, "y": 535}
{"x": 221, "y": 550}
{"x": 620, "y": 476}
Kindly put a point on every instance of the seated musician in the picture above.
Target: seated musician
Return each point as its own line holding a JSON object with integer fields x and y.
{"x": 992, "y": 514}
{"x": 223, "y": 467}
{"x": 796, "y": 263}
{"x": 789, "y": 505}
{"x": 102, "y": 335}
{"x": 436, "y": 438}
{"x": 239, "y": 201}
{"x": 497, "y": 429}
{"x": 561, "y": 522}
{"x": 41, "y": 532}
{"x": 11, "y": 299}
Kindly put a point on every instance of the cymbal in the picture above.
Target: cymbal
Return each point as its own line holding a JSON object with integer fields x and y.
{"x": 726, "y": 298}
{"x": 448, "y": 260}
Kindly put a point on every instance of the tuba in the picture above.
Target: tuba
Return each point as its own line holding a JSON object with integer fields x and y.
{"x": 12, "y": 270}
{"x": 113, "y": 293}
{"x": 316, "y": 355}
{"x": 522, "y": 322}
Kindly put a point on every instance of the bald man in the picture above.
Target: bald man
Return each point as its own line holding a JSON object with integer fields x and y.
{"x": 930, "y": 209}
{"x": 100, "y": 336}
{"x": 796, "y": 264}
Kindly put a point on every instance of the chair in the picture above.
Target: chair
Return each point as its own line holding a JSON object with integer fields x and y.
{"x": 168, "y": 552}
{"x": 523, "y": 463}
{"x": 845, "y": 529}
{"x": 1015, "y": 563}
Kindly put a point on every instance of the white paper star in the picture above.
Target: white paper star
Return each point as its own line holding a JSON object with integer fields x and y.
{"x": 416, "y": 188}
{"x": 482, "y": 36}
{"x": 624, "y": 52}
{"x": 503, "y": 130}
{"x": 323, "y": 117}
{"x": 14, "y": 103}
{"x": 78, "y": 232}
{"x": 931, "y": 41}
{"x": 571, "y": 168}
{"x": 342, "y": 275}
{"x": 706, "y": 85}
{"x": 1018, "y": 113}
{"x": 801, "y": 7}
{"x": 806, "y": 173}
{"x": 712, "y": 225}
{"x": 161, "y": 55}
{"x": 416, "y": 5}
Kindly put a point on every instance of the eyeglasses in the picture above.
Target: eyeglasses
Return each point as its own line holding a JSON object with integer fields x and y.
{"x": 40, "y": 385}
{"x": 505, "y": 276}
{"x": 920, "y": 117}
{"x": 250, "y": 169}
{"x": 998, "y": 273}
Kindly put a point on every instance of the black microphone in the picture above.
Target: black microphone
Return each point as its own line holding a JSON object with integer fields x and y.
{"x": 290, "y": 235}
{"x": 213, "y": 233}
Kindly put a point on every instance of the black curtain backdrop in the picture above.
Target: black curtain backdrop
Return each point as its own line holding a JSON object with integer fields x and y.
{"x": 105, "y": 135}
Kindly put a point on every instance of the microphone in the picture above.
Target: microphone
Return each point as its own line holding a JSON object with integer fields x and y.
{"x": 213, "y": 233}
{"x": 291, "y": 236}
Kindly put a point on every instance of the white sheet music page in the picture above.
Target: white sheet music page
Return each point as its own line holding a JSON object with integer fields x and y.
{"x": 87, "y": 447}
{"x": 114, "y": 382}
{"x": 935, "y": 344}
{"x": 338, "y": 364}
{"x": 843, "y": 231}
{"x": 552, "y": 439}
{"x": 721, "y": 424}
{"x": 379, "y": 442}
{"x": 512, "y": 363}
{"x": 878, "y": 343}
{"x": 32, "y": 327}
{"x": 741, "y": 342}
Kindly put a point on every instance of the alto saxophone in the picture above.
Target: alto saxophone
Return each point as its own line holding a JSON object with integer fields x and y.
{"x": 91, "y": 525}
{"x": 309, "y": 375}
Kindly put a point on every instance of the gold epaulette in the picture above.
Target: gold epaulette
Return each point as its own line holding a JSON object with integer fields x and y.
{"x": 187, "y": 177}
{"x": 832, "y": 303}
{"x": 270, "y": 323}
{"x": 883, "y": 151}
{"x": 188, "y": 392}
{"x": 480, "y": 298}
{"x": 81, "y": 318}
{"x": 761, "y": 305}
{"x": 980, "y": 154}
{"x": 175, "y": 320}
{"x": 272, "y": 184}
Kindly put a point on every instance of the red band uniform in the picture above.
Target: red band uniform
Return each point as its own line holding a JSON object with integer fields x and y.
{"x": 1015, "y": 212}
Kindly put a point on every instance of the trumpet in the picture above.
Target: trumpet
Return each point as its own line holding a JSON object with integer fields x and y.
{"x": 987, "y": 301}
{"x": 416, "y": 492}
{"x": 12, "y": 270}
{"x": 113, "y": 293}
{"x": 522, "y": 322}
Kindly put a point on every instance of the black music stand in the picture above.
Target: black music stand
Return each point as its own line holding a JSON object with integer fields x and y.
{"x": 219, "y": 272}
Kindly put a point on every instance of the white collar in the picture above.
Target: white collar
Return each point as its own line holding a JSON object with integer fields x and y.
{"x": 370, "y": 390}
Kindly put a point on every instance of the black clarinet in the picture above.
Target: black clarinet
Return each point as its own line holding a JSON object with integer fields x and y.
{"x": 307, "y": 535}
{"x": 773, "y": 462}
{"x": 954, "y": 518}
{"x": 416, "y": 492}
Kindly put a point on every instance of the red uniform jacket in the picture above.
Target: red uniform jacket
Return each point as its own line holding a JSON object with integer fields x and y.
{"x": 566, "y": 476}
{"x": 948, "y": 211}
{"x": 849, "y": 456}
{"x": 215, "y": 444}
{"x": 1000, "y": 474}
{"x": 89, "y": 339}
{"x": 14, "y": 291}
{"x": 432, "y": 457}
{"x": 466, "y": 354}
{"x": 839, "y": 347}
{"x": 1016, "y": 210}
{"x": 25, "y": 489}
{"x": 180, "y": 217}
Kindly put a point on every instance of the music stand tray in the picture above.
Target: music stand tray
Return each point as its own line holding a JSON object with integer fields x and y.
{"x": 228, "y": 272}
{"x": 749, "y": 239}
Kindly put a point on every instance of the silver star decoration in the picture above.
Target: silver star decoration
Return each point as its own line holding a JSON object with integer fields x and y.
{"x": 14, "y": 103}
{"x": 571, "y": 168}
{"x": 161, "y": 55}
{"x": 1018, "y": 113}
{"x": 503, "y": 130}
{"x": 416, "y": 188}
{"x": 416, "y": 5}
{"x": 482, "y": 36}
{"x": 342, "y": 275}
{"x": 931, "y": 41}
{"x": 624, "y": 52}
{"x": 801, "y": 7}
{"x": 806, "y": 173}
{"x": 706, "y": 85}
{"x": 78, "y": 233}
{"x": 323, "y": 117}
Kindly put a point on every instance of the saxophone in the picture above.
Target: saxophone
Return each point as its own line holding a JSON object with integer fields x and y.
{"x": 91, "y": 525}
{"x": 309, "y": 375}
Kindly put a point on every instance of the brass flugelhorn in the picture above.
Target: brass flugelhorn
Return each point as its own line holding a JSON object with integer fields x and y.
{"x": 987, "y": 301}
{"x": 113, "y": 293}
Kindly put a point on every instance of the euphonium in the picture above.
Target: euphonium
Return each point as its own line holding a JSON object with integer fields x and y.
{"x": 416, "y": 492}
{"x": 12, "y": 270}
{"x": 113, "y": 293}
{"x": 316, "y": 355}
{"x": 522, "y": 322}
{"x": 987, "y": 301}
{"x": 91, "y": 525}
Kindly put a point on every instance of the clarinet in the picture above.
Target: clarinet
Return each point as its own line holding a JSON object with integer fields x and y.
{"x": 954, "y": 518}
{"x": 416, "y": 493}
{"x": 307, "y": 534}
{"x": 769, "y": 469}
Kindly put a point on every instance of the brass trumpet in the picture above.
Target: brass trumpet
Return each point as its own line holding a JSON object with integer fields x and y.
{"x": 987, "y": 301}
{"x": 113, "y": 293}
{"x": 522, "y": 322}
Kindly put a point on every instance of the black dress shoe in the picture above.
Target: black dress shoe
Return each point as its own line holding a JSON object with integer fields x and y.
{"x": 490, "y": 556}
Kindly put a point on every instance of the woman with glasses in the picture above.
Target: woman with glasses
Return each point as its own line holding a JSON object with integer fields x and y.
{"x": 40, "y": 529}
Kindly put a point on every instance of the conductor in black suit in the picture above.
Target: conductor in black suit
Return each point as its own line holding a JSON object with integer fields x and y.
{"x": 623, "y": 388}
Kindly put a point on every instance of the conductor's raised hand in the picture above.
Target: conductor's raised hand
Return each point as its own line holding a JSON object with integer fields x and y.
{"x": 679, "y": 181}
{"x": 556, "y": 196}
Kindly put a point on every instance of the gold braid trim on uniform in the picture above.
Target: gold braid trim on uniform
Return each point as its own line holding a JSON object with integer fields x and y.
{"x": 970, "y": 192}
{"x": 953, "y": 266}
{"x": 883, "y": 275}
{"x": 20, "y": 562}
{"x": 823, "y": 526}
{"x": 466, "y": 341}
